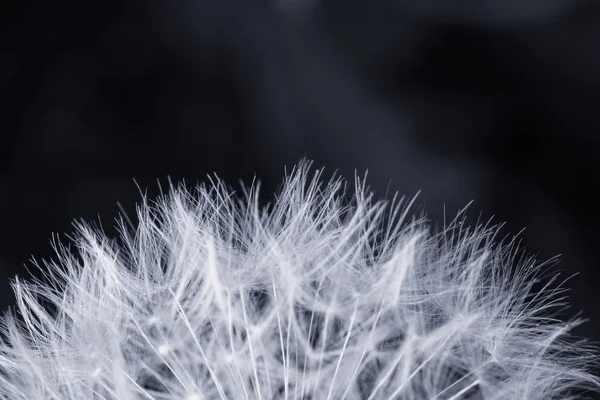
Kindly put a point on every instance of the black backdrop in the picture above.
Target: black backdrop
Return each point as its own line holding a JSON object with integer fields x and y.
{"x": 492, "y": 101}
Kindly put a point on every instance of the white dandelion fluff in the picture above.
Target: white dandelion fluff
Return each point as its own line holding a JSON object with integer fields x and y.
{"x": 318, "y": 295}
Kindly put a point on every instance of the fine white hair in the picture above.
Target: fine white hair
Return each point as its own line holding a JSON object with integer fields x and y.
{"x": 317, "y": 295}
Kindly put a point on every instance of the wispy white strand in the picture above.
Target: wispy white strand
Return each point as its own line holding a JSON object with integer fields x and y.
{"x": 315, "y": 296}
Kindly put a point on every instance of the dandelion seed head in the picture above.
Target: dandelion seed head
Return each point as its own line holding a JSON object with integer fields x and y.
{"x": 318, "y": 295}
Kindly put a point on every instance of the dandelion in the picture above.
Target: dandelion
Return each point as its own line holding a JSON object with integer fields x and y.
{"x": 318, "y": 295}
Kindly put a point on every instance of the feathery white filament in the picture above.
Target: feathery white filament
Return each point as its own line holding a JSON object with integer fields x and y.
{"x": 311, "y": 297}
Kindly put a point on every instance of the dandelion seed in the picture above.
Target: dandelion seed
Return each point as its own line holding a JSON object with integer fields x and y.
{"x": 163, "y": 349}
{"x": 96, "y": 372}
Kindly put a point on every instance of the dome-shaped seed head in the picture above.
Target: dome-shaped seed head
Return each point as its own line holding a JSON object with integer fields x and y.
{"x": 317, "y": 295}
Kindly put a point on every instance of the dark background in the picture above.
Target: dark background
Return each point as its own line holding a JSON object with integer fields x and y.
{"x": 492, "y": 101}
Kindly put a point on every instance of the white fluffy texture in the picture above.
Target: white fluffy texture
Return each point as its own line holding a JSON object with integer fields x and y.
{"x": 311, "y": 297}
